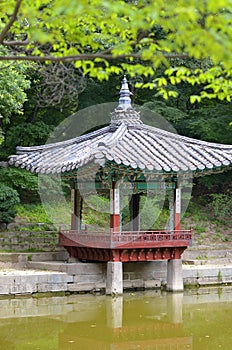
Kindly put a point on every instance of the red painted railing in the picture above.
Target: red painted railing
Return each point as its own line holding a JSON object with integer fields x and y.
{"x": 126, "y": 239}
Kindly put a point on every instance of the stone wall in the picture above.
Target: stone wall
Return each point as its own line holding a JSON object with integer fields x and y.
{"x": 28, "y": 282}
{"x": 91, "y": 277}
{"x": 21, "y": 241}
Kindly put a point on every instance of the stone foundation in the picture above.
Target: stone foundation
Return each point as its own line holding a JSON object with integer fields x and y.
{"x": 37, "y": 276}
{"x": 29, "y": 282}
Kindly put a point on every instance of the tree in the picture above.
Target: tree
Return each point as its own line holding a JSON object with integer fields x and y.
{"x": 8, "y": 199}
{"x": 56, "y": 84}
{"x": 132, "y": 36}
{"x": 13, "y": 84}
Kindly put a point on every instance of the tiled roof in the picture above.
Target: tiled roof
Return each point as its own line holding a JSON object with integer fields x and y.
{"x": 135, "y": 145}
{"x": 129, "y": 142}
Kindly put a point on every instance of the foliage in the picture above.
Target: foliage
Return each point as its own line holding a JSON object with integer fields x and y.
{"x": 111, "y": 37}
{"x": 1, "y": 136}
{"x": 209, "y": 123}
{"x": 18, "y": 178}
{"x": 13, "y": 83}
{"x": 222, "y": 205}
{"x": 25, "y": 134}
{"x": 214, "y": 183}
{"x": 32, "y": 213}
{"x": 8, "y": 199}
{"x": 171, "y": 114}
{"x": 205, "y": 121}
{"x": 100, "y": 92}
{"x": 24, "y": 182}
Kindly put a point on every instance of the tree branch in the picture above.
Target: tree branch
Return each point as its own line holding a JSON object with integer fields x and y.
{"x": 11, "y": 21}
{"x": 81, "y": 57}
{"x": 15, "y": 42}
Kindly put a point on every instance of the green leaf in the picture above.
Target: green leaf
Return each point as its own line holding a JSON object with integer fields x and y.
{"x": 195, "y": 98}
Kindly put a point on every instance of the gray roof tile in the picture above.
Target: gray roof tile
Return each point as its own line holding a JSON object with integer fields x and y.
{"x": 139, "y": 146}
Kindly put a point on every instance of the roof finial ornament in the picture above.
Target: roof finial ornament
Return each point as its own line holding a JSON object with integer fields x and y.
{"x": 124, "y": 100}
{"x": 124, "y": 112}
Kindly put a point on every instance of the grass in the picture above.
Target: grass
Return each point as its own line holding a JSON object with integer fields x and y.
{"x": 208, "y": 229}
{"x": 32, "y": 213}
{"x": 52, "y": 214}
{"x": 199, "y": 229}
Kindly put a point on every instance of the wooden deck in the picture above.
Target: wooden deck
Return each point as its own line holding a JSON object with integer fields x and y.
{"x": 126, "y": 246}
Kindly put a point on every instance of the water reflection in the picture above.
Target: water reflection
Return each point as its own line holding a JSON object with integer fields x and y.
{"x": 114, "y": 312}
{"x": 147, "y": 320}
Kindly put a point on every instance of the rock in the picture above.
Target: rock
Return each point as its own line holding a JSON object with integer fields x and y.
{"x": 2, "y": 226}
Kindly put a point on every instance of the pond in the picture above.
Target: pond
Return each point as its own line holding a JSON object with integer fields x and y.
{"x": 196, "y": 319}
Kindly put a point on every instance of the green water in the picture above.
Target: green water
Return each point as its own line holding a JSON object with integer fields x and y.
{"x": 199, "y": 320}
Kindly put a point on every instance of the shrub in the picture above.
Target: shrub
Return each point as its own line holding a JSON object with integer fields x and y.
{"x": 221, "y": 205}
{"x": 8, "y": 199}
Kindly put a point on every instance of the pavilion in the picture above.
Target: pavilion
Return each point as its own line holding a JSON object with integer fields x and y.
{"x": 146, "y": 158}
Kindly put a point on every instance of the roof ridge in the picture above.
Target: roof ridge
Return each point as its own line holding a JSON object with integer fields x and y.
{"x": 77, "y": 139}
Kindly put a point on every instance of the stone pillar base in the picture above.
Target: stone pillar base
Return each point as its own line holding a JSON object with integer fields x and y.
{"x": 114, "y": 280}
{"x": 174, "y": 276}
{"x": 73, "y": 260}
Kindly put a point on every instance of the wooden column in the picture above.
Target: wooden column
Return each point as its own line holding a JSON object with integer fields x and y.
{"x": 114, "y": 208}
{"x": 135, "y": 212}
{"x": 171, "y": 201}
{"x": 177, "y": 208}
{"x": 77, "y": 204}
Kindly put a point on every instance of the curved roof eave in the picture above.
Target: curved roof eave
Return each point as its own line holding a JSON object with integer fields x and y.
{"x": 138, "y": 146}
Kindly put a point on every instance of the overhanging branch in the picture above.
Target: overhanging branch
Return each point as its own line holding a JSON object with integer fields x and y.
{"x": 81, "y": 57}
{"x": 11, "y": 21}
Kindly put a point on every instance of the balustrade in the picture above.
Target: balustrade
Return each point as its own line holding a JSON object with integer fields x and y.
{"x": 131, "y": 238}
